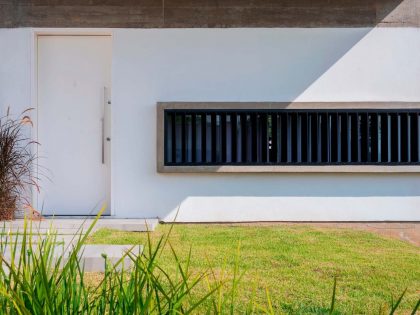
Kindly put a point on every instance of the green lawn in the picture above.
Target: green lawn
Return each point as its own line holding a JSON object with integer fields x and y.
{"x": 297, "y": 264}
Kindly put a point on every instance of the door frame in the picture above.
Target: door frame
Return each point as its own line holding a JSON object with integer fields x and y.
{"x": 35, "y": 34}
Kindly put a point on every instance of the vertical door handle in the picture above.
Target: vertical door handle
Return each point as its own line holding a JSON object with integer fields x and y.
{"x": 103, "y": 141}
{"x": 103, "y": 122}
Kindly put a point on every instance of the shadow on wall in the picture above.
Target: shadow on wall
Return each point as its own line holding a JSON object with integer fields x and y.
{"x": 398, "y": 13}
{"x": 239, "y": 65}
{"x": 288, "y": 197}
{"x": 215, "y": 65}
{"x": 244, "y": 65}
{"x": 299, "y": 185}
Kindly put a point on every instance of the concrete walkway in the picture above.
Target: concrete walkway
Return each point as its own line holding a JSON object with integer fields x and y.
{"x": 71, "y": 226}
{"x": 92, "y": 257}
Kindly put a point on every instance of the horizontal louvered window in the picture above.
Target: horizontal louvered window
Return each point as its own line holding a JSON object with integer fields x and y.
{"x": 291, "y": 137}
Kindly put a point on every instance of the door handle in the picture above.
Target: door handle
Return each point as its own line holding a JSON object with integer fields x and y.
{"x": 104, "y": 138}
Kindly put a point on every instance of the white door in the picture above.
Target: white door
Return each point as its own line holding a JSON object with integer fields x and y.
{"x": 74, "y": 78}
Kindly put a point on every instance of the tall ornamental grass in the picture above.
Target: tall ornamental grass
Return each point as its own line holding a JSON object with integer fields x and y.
{"x": 36, "y": 278}
{"x": 17, "y": 163}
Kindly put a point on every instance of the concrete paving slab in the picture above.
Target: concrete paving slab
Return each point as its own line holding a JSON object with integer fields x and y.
{"x": 68, "y": 225}
{"x": 92, "y": 256}
{"x": 37, "y": 238}
{"x": 94, "y": 261}
{"x": 69, "y": 230}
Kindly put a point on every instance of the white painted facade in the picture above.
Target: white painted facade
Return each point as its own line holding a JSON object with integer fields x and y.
{"x": 151, "y": 65}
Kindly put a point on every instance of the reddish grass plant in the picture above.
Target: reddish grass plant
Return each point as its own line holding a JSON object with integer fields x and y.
{"x": 17, "y": 163}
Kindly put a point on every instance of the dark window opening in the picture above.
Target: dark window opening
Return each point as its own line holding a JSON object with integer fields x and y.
{"x": 291, "y": 137}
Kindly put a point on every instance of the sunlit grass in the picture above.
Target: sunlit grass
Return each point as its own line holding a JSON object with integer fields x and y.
{"x": 214, "y": 269}
{"x": 297, "y": 264}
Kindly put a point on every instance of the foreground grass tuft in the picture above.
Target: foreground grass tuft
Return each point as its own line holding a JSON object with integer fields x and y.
{"x": 296, "y": 265}
{"x": 40, "y": 276}
{"x": 212, "y": 269}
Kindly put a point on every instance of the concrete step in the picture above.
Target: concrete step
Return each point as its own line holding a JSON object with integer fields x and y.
{"x": 58, "y": 231}
{"x": 92, "y": 256}
{"x": 68, "y": 225}
{"x": 129, "y": 225}
{"x": 37, "y": 238}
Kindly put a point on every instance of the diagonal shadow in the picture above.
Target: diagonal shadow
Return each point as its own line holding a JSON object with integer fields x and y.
{"x": 300, "y": 63}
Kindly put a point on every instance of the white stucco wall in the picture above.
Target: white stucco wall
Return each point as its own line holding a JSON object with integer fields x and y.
{"x": 15, "y": 69}
{"x": 380, "y": 64}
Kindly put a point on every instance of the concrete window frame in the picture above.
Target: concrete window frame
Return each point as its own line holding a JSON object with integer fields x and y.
{"x": 162, "y": 168}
